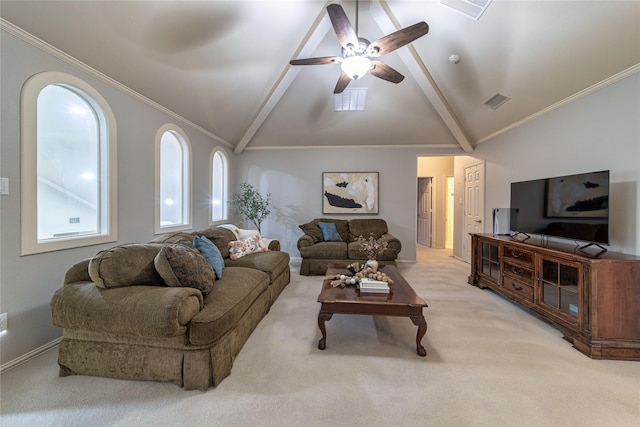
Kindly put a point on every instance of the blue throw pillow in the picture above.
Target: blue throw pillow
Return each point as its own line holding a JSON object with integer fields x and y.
{"x": 329, "y": 232}
{"x": 211, "y": 253}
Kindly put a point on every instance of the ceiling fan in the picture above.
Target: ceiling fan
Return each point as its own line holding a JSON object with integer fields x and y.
{"x": 358, "y": 53}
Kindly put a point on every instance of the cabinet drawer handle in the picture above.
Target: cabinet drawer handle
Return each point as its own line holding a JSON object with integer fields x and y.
{"x": 517, "y": 254}
{"x": 517, "y": 270}
{"x": 517, "y": 288}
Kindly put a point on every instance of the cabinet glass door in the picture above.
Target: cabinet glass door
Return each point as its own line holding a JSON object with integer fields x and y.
{"x": 490, "y": 260}
{"x": 560, "y": 286}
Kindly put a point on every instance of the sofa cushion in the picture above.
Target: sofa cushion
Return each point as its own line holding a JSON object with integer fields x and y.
{"x": 147, "y": 311}
{"x": 78, "y": 272}
{"x": 273, "y": 263}
{"x": 220, "y": 237}
{"x": 367, "y": 227}
{"x": 124, "y": 265}
{"x": 390, "y": 254}
{"x": 329, "y": 232}
{"x": 342, "y": 225}
{"x": 211, "y": 253}
{"x": 312, "y": 229}
{"x": 176, "y": 237}
{"x": 227, "y": 302}
{"x": 182, "y": 266}
{"x": 325, "y": 250}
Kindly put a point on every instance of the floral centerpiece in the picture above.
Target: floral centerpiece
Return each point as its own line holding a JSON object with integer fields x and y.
{"x": 372, "y": 247}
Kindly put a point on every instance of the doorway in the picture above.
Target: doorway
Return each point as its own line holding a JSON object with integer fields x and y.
{"x": 425, "y": 211}
{"x": 449, "y": 218}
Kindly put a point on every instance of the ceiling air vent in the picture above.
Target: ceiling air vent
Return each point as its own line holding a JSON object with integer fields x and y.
{"x": 470, "y": 8}
{"x": 496, "y": 100}
{"x": 353, "y": 99}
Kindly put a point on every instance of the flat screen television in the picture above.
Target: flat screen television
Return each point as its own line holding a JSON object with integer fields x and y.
{"x": 571, "y": 207}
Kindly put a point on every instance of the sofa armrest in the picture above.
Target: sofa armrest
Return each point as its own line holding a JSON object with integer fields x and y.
{"x": 78, "y": 272}
{"x": 274, "y": 245}
{"x": 138, "y": 310}
{"x": 305, "y": 241}
{"x": 393, "y": 243}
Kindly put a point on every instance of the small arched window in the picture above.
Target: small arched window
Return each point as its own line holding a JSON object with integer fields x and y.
{"x": 173, "y": 186}
{"x": 68, "y": 165}
{"x": 219, "y": 186}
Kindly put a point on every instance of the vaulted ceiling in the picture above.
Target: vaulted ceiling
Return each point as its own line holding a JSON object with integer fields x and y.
{"x": 224, "y": 65}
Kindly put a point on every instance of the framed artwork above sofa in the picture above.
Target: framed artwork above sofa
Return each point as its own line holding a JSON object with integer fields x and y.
{"x": 350, "y": 193}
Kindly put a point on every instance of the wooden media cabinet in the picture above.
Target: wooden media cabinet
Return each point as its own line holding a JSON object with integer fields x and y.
{"x": 592, "y": 297}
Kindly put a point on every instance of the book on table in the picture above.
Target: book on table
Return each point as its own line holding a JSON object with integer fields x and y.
{"x": 374, "y": 286}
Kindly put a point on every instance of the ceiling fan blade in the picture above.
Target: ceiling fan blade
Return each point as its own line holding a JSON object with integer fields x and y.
{"x": 315, "y": 61}
{"x": 343, "y": 82}
{"x": 385, "y": 72}
{"x": 393, "y": 41}
{"x": 341, "y": 25}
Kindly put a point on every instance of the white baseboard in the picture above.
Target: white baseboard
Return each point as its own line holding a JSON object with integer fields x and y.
{"x": 28, "y": 356}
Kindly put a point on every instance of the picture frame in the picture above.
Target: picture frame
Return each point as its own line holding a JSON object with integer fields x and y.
{"x": 350, "y": 193}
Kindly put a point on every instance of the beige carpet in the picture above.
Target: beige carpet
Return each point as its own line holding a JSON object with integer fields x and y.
{"x": 489, "y": 363}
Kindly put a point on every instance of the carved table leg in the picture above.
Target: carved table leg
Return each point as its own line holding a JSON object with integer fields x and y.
{"x": 323, "y": 317}
{"x": 422, "y": 329}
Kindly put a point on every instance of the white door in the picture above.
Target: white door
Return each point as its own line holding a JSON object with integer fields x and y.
{"x": 425, "y": 211}
{"x": 473, "y": 206}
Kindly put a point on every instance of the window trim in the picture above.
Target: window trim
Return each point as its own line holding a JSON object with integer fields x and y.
{"x": 186, "y": 180}
{"x": 29, "y": 144}
{"x": 225, "y": 161}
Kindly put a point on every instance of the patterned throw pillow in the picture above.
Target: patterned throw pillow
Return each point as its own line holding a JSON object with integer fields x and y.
{"x": 180, "y": 265}
{"x": 242, "y": 247}
{"x": 311, "y": 228}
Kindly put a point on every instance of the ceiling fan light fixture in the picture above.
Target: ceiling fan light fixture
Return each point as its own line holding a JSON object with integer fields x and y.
{"x": 356, "y": 66}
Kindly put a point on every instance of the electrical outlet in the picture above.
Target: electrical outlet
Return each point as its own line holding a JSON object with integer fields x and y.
{"x": 3, "y": 322}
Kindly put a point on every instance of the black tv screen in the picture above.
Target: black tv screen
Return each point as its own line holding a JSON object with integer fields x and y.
{"x": 571, "y": 206}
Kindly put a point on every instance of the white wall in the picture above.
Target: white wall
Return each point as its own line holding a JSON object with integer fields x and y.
{"x": 597, "y": 132}
{"x": 294, "y": 178}
{"x": 27, "y": 283}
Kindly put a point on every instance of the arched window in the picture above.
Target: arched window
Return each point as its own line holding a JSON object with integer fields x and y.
{"x": 219, "y": 186}
{"x": 68, "y": 165}
{"x": 173, "y": 186}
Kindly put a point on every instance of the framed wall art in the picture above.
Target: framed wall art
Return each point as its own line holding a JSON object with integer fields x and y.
{"x": 350, "y": 193}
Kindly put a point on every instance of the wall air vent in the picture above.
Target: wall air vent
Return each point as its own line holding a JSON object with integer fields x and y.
{"x": 496, "y": 100}
{"x": 353, "y": 99}
{"x": 470, "y": 8}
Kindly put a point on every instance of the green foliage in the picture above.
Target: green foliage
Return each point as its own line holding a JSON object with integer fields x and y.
{"x": 250, "y": 204}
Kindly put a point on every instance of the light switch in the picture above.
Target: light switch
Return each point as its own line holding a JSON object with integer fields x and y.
{"x": 4, "y": 186}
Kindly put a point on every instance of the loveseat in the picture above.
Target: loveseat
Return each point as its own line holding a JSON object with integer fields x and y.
{"x": 159, "y": 311}
{"x": 321, "y": 245}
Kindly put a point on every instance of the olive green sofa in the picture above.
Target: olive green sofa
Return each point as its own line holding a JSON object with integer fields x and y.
{"x": 121, "y": 320}
{"x": 317, "y": 253}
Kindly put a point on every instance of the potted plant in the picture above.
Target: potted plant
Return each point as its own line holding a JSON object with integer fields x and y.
{"x": 250, "y": 204}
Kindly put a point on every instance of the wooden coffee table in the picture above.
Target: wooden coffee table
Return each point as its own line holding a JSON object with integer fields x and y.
{"x": 401, "y": 301}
